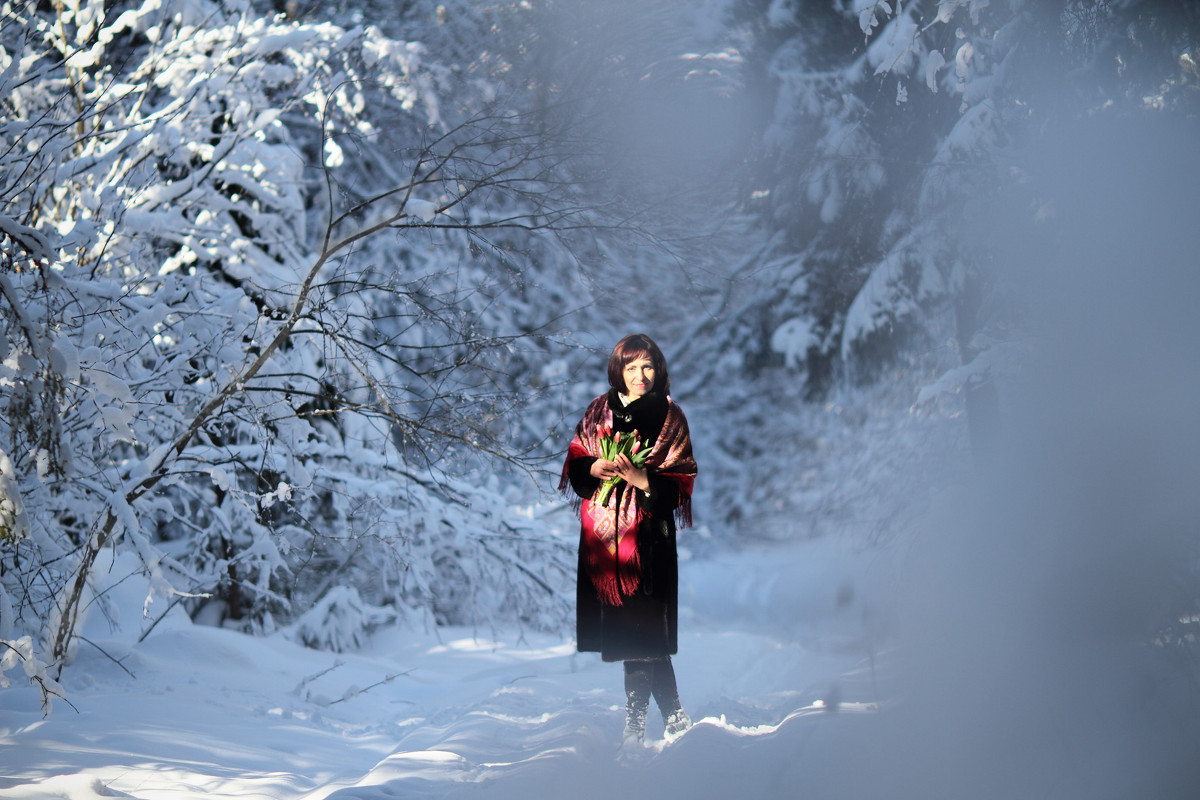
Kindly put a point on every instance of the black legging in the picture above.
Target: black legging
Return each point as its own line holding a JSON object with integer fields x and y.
{"x": 651, "y": 676}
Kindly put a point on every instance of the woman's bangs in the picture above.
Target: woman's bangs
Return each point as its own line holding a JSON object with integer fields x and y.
{"x": 630, "y": 357}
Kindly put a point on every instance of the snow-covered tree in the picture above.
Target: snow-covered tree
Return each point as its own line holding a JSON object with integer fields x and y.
{"x": 261, "y": 309}
{"x": 895, "y": 129}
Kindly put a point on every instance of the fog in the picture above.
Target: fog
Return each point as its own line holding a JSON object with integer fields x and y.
{"x": 657, "y": 90}
{"x": 1043, "y": 609}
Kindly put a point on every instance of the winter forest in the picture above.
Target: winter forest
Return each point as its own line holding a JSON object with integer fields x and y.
{"x": 300, "y": 302}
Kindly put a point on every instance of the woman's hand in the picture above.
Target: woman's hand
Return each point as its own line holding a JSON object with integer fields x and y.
{"x": 634, "y": 476}
{"x": 603, "y": 469}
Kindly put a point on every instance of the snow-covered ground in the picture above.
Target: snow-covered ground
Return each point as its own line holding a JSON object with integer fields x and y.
{"x": 772, "y": 659}
{"x": 808, "y": 669}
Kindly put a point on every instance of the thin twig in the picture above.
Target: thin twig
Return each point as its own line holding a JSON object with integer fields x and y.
{"x": 107, "y": 655}
{"x": 352, "y": 693}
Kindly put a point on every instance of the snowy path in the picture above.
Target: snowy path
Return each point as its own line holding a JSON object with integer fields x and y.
{"x": 216, "y": 714}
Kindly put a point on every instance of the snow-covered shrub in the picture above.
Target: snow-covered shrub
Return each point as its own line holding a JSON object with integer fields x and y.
{"x": 339, "y": 621}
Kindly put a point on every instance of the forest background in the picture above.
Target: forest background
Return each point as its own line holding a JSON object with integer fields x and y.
{"x": 300, "y": 302}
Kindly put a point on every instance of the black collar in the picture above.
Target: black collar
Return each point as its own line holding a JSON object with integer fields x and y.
{"x": 645, "y": 414}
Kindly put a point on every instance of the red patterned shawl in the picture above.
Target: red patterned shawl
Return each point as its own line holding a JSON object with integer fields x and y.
{"x": 610, "y": 531}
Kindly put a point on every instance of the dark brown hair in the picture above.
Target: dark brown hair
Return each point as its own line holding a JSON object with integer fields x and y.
{"x": 631, "y": 348}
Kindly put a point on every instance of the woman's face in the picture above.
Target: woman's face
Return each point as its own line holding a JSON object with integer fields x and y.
{"x": 639, "y": 376}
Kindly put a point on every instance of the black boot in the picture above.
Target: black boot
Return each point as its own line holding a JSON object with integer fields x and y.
{"x": 639, "y": 676}
{"x": 666, "y": 694}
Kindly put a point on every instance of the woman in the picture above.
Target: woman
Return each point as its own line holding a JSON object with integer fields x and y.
{"x": 628, "y": 572}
